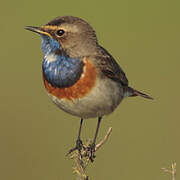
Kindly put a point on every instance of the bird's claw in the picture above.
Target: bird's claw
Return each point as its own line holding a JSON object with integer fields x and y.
{"x": 79, "y": 146}
{"x": 88, "y": 151}
{"x": 91, "y": 150}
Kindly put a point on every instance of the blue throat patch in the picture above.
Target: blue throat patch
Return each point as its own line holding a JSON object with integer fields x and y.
{"x": 62, "y": 71}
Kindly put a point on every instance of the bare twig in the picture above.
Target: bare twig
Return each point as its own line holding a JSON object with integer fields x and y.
{"x": 104, "y": 139}
{"x": 171, "y": 171}
{"x": 82, "y": 161}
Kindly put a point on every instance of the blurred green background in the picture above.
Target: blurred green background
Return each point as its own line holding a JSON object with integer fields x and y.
{"x": 144, "y": 37}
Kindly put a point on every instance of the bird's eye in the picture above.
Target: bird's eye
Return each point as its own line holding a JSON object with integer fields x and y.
{"x": 60, "y": 32}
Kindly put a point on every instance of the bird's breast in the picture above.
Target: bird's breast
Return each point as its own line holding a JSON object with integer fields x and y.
{"x": 61, "y": 71}
{"x": 80, "y": 88}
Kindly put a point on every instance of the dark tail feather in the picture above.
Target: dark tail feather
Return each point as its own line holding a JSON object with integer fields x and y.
{"x": 138, "y": 93}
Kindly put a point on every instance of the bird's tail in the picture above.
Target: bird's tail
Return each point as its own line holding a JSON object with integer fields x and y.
{"x": 132, "y": 92}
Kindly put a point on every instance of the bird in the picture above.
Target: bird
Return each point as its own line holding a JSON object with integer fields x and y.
{"x": 81, "y": 77}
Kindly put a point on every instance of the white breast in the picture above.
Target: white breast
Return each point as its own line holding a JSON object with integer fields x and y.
{"x": 102, "y": 100}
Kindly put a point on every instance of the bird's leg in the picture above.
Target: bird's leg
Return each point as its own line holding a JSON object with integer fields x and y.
{"x": 79, "y": 144}
{"x": 93, "y": 145}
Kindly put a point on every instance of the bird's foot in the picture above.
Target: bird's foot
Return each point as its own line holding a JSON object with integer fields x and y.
{"x": 91, "y": 150}
{"x": 79, "y": 146}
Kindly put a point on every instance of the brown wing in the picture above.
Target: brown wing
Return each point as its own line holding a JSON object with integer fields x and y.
{"x": 111, "y": 68}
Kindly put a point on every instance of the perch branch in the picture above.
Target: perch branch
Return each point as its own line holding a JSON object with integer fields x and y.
{"x": 82, "y": 161}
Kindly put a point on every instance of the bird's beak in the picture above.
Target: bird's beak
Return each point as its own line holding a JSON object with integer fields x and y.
{"x": 38, "y": 30}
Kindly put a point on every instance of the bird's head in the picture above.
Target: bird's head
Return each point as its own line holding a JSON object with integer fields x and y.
{"x": 68, "y": 34}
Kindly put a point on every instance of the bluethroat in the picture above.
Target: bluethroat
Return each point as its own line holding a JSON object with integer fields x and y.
{"x": 80, "y": 76}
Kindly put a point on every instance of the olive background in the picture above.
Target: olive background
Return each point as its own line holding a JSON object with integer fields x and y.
{"x": 144, "y": 37}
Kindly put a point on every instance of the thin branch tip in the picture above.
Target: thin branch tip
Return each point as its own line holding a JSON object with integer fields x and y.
{"x": 171, "y": 171}
{"x": 104, "y": 139}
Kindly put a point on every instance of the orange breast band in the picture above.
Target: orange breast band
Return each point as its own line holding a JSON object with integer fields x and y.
{"x": 82, "y": 87}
